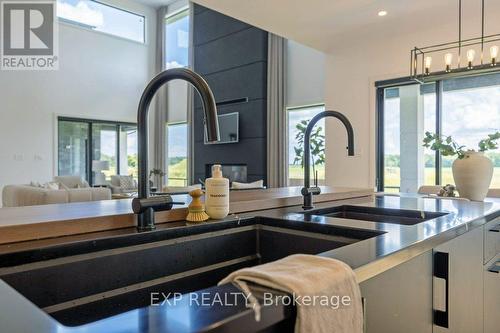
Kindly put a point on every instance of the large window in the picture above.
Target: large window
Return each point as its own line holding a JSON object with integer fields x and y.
{"x": 298, "y": 118}
{"x": 177, "y": 154}
{"x": 105, "y": 147}
{"x": 97, "y": 16}
{"x": 467, "y": 108}
{"x": 84, "y": 145}
{"x": 471, "y": 111}
{"x": 177, "y": 55}
{"x": 177, "y": 39}
{"x": 128, "y": 150}
{"x": 73, "y": 148}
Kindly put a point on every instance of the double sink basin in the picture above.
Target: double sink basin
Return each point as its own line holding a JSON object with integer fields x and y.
{"x": 83, "y": 282}
{"x": 376, "y": 214}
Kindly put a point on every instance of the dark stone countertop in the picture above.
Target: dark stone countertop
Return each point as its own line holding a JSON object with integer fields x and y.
{"x": 398, "y": 243}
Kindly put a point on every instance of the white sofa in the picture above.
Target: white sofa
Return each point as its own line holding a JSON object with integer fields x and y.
{"x": 71, "y": 182}
{"x": 123, "y": 184}
{"x": 71, "y": 189}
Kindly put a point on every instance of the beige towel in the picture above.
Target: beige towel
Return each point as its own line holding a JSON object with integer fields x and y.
{"x": 319, "y": 285}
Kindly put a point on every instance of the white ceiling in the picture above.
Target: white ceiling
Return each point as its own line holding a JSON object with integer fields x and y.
{"x": 326, "y": 24}
{"x": 155, "y": 3}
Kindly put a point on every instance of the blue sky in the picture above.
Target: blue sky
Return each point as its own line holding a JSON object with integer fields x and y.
{"x": 177, "y": 141}
{"x": 177, "y": 41}
{"x": 103, "y": 18}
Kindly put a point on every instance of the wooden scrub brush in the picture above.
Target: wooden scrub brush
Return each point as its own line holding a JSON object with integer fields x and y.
{"x": 196, "y": 208}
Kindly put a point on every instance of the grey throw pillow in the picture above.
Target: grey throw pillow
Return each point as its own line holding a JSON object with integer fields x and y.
{"x": 127, "y": 183}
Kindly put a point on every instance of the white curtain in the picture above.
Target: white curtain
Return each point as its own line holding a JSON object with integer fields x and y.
{"x": 190, "y": 103}
{"x": 277, "y": 156}
{"x": 161, "y": 105}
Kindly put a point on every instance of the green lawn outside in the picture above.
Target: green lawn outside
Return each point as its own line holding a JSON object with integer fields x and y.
{"x": 178, "y": 170}
{"x": 297, "y": 172}
{"x": 391, "y": 176}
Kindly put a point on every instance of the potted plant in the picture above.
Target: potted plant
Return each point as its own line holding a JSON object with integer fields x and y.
{"x": 159, "y": 174}
{"x": 317, "y": 141}
{"x": 472, "y": 170}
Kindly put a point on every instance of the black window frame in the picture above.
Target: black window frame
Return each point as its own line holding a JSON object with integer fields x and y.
{"x": 85, "y": 26}
{"x": 88, "y": 167}
{"x": 381, "y": 86}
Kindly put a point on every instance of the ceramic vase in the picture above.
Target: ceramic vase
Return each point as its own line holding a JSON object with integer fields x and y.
{"x": 472, "y": 175}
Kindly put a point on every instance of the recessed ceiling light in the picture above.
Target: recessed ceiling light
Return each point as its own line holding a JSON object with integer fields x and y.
{"x": 382, "y": 13}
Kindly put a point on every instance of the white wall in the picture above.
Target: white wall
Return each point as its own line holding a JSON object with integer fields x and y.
{"x": 99, "y": 77}
{"x": 305, "y": 75}
{"x": 351, "y": 72}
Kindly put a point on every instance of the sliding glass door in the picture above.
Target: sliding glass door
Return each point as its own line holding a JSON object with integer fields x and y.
{"x": 105, "y": 149}
{"x": 73, "y": 149}
{"x": 95, "y": 150}
{"x": 128, "y": 150}
{"x": 468, "y": 109}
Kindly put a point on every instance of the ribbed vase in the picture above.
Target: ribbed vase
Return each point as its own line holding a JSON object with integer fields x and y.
{"x": 472, "y": 175}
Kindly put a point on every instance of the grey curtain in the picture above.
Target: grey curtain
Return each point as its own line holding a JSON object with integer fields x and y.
{"x": 190, "y": 103}
{"x": 277, "y": 156}
{"x": 161, "y": 106}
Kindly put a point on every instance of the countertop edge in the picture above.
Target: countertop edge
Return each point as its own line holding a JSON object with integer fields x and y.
{"x": 36, "y": 222}
{"x": 383, "y": 264}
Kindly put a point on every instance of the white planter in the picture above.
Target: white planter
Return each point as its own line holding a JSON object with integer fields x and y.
{"x": 472, "y": 175}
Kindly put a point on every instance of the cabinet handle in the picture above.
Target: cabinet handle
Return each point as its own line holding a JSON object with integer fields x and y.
{"x": 441, "y": 271}
{"x": 496, "y": 228}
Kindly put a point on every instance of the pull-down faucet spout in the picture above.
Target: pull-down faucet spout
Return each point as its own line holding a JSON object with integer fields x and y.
{"x": 143, "y": 205}
{"x": 307, "y": 190}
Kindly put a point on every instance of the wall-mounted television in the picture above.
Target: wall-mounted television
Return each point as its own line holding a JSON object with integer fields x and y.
{"x": 228, "y": 128}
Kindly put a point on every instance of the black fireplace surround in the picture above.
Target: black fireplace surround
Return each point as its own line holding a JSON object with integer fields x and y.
{"x": 234, "y": 172}
{"x": 232, "y": 57}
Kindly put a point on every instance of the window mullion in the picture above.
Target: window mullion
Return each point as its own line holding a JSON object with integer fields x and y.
{"x": 380, "y": 139}
{"x": 90, "y": 154}
{"x": 439, "y": 113}
{"x": 118, "y": 149}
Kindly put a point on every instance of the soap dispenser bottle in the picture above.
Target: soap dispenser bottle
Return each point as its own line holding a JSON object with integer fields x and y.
{"x": 217, "y": 194}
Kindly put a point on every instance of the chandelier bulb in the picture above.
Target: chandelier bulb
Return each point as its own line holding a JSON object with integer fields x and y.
{"x": 494, "y": 54}
{"x": 428, "y": 62}
{"x": 448, "y": 59}
{"x": 470, "y": 58}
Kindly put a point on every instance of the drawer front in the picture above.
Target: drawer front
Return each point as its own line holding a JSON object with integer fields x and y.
{"x": 491, "y": 295}
{"x": 491, "y": 239}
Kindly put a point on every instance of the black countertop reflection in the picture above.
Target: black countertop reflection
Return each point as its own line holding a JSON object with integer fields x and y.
{"x": 17, "y": 314}
{"x": 460, "y": 217}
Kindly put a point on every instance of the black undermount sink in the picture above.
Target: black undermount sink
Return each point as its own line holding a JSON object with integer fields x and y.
{"x": 375, "y": 214}
{"x": 84, "y": 282}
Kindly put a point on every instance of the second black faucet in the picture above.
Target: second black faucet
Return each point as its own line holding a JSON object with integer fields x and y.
{"x": 307, "y": 190}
